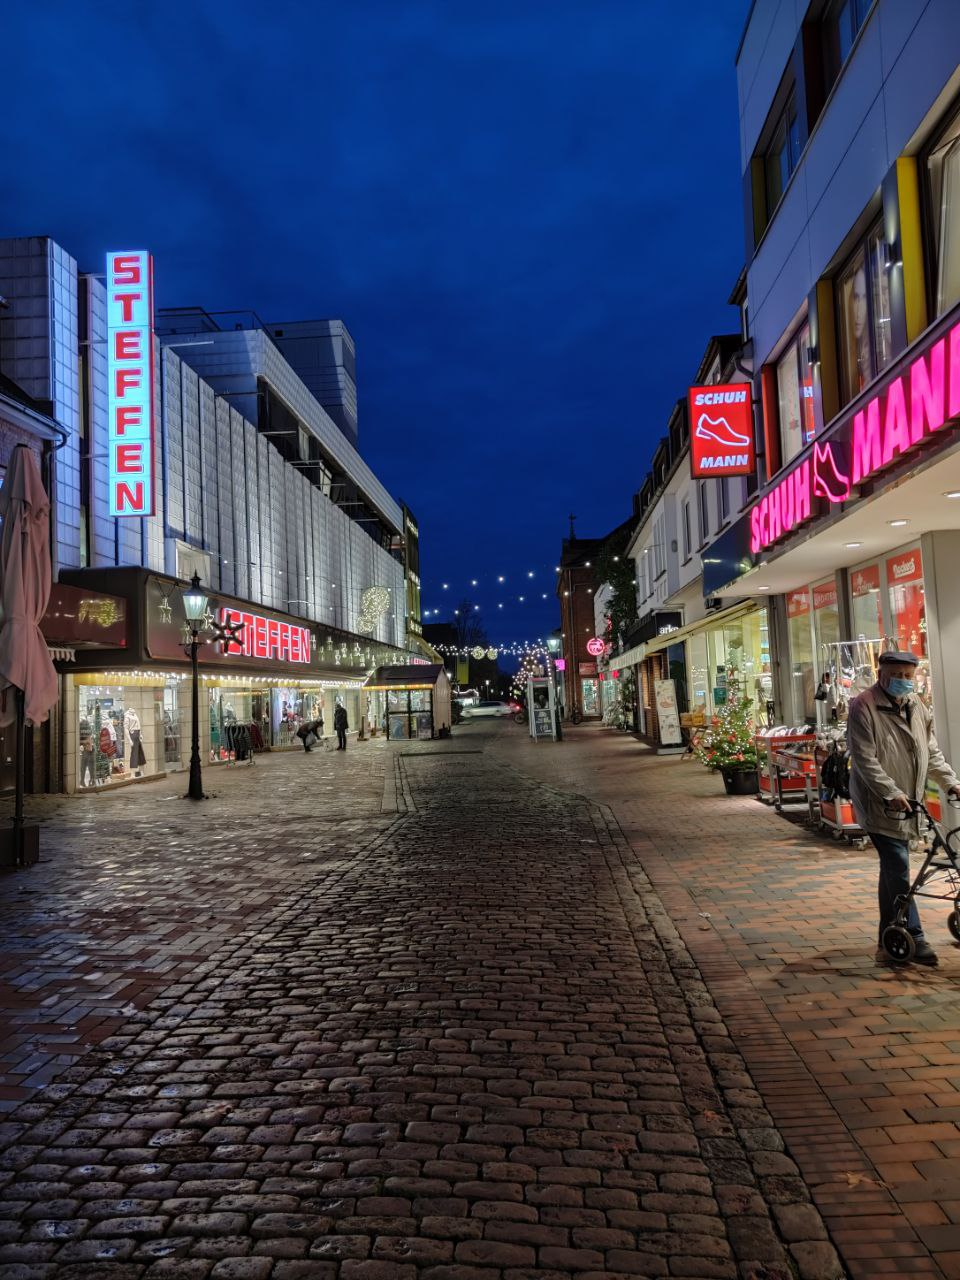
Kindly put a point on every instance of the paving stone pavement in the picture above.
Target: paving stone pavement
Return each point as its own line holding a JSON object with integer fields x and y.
{"x": 858, "y": 1064}
{"x": 390, "y": 1015}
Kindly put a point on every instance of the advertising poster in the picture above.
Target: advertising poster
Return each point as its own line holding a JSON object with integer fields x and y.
{"x": 665, "y": 694}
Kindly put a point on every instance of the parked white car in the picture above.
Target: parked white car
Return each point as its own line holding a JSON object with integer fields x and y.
{"x": 487, "y": 708}
{"x": 467, "y": 697}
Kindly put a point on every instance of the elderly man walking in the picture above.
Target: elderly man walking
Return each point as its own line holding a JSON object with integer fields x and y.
{"x": 892, "y": 753}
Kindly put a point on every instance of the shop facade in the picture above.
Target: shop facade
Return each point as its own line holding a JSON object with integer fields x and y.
{"x": 126, "y": 711}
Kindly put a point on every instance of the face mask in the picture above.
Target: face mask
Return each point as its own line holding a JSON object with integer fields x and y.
{"x": 898, "y": 688}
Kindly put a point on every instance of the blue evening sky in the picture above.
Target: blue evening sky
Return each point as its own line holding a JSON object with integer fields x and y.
{"x": 528, "y": 213}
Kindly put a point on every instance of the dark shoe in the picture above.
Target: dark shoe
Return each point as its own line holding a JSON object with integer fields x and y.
{"x": 925, "y": 954}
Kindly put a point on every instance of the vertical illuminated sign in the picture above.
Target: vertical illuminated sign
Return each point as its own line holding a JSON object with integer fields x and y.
{"x": 130, "y": 429}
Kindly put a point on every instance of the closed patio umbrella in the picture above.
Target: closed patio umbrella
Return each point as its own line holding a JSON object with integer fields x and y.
{"x": 28, "y": 679}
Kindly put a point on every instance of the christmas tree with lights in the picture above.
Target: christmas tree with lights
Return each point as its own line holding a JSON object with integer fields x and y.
{"x": 729, "y": 742}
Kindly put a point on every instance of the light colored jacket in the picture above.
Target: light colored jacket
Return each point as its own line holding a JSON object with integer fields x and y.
{"x": 890, "y": 757}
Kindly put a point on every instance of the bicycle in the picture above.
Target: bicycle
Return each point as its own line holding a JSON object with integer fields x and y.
{"x": 941, "y": 857}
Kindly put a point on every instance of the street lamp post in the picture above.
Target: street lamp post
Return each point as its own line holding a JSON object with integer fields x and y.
{"x": 553, "y": 646}
{"x": 195, "y": 608}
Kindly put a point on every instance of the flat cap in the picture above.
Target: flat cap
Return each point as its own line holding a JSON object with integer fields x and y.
{"x": 899, "y": 655}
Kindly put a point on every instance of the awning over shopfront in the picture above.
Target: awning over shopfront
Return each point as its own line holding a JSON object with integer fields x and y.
{"x": 679, "y": 634}
{"x": 415, "y": 676}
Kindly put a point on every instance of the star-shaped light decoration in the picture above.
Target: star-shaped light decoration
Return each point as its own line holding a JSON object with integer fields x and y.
{"x": 164, "y": 609}
{"x": 229, "y": 634}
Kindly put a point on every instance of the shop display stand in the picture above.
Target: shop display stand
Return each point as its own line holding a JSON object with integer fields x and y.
{"x": 780, "y": 781}
{"x": 836, "y": 816}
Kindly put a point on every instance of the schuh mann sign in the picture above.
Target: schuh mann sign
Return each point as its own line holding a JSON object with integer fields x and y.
{"x": 909, "y": 411}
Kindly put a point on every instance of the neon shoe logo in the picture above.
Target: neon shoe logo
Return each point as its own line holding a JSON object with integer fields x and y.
{"x": 790, "y": 503}
{"x": 828, "y": 481}
{"x": 719, "y": 429}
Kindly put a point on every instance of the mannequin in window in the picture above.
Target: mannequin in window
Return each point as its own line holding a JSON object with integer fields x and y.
{"x": 131, "y": 727}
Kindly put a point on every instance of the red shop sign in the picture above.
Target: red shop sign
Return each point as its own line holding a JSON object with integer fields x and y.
{"x": 907, "y": 567}
{"x": 865, "y": 580}
{"x": 721, "y": 430}
{"x": 825, "y": 597}
{"x": 798, "y": 603}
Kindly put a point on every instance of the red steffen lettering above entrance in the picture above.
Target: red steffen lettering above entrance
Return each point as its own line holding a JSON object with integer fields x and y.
{"x": 266, "y": 638}
{"x": 721, "y": 430}
{"x": 908, "y": 411}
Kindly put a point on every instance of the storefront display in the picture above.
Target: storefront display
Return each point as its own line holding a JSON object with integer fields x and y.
{"x": 908, "y": 613}
{"x": 590, "y": 696}
{"x": 120, "y": 730}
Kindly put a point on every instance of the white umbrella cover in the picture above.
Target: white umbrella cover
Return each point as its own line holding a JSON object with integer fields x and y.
{"x": 25, "y": 584}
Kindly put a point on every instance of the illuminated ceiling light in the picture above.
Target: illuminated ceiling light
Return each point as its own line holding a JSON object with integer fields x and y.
{"x": 851, "y": 545}
{"x": 616, "y": 559}
{"x": 897, "y": 524}
{"x": 952, "y": 493}
{"x": 763, "y": 588}
{"x": 587, "y": 563}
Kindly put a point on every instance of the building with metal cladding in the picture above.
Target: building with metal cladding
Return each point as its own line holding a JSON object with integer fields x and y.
{"x": 254, "y": 487}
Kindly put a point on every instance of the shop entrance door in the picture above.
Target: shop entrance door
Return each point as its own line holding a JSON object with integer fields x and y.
{"x": 169, "y": 727}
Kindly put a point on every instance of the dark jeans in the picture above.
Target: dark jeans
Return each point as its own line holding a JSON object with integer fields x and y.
{"x": 895, "y": 880}
{"x": 341, "y": 739}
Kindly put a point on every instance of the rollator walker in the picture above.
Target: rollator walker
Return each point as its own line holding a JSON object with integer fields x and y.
{"x": 939, "y": 867}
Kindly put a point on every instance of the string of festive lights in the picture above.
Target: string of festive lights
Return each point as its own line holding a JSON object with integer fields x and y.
{"x": 525, "y": 586}
{"x": 519, "y": 649}
{"x": 529, "y": 667}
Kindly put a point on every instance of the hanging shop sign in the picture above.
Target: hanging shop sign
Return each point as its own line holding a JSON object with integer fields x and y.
{"x": 721, "y": 430}
{"x": 268, "y": 638}
{"x": 130, "y": 409}
{"x": 596, "y": 646}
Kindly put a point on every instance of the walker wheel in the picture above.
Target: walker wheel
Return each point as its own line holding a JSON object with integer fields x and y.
{"x": 898, "y": 943}
{"x": 953, "y": 923}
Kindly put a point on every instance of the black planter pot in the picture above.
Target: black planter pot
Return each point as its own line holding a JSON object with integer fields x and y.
{"x": 740, "y": 782}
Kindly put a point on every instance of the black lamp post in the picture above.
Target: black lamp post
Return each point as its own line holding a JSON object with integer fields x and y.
{"x": 553, "y": 647}
{"x": 195, "y": 609}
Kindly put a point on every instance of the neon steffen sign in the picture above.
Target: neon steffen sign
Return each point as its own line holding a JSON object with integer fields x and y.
{"x": 595, "y": 647}
{"x": 130, "y": 424}
{"x": 898, "y": 420}
{"x": 266, "y": 638}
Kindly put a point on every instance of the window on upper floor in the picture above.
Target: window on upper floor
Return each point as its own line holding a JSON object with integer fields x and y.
{"x": 723, "y": 499}
{"x": 703, "y": 513}
{"x": 795, "y": 396}
{"x": 659, "y": 558}
{"x": 943, "y": 183}
{"x": 863, "y": 320}
{"x": 685, "y": 529}
{"x": 841, "y": 24}
{"x": 781, "y": 155}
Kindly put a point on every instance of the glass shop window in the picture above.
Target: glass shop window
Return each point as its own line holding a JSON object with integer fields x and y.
{"x": 795, "y": 396}
{"x": 863, "y": 303}
{"x": 943, "y": 183}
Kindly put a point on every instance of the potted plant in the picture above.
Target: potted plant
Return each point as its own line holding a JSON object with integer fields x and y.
{"x": 728, "y": 746}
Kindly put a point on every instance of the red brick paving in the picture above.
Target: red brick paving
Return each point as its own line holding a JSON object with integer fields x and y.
{"x": 372, "y": 1024}
{"x": 859, "y": 1065}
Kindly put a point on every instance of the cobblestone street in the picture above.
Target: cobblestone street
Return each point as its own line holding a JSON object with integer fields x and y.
{"x": 398, "y": 1014}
